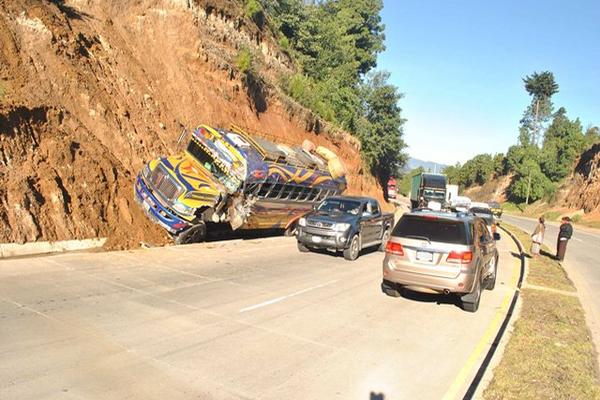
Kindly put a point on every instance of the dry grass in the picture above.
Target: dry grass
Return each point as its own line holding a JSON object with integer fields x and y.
{"x": 550, "y": 354}
{"x": 543, "y": 270}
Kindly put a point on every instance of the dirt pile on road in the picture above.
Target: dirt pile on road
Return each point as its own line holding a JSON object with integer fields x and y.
{"x": 90, "y": 90}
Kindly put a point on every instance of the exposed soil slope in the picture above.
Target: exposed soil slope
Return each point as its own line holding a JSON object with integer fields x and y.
{"x": 90, "y": 90}
{"x": 584, "y": 188}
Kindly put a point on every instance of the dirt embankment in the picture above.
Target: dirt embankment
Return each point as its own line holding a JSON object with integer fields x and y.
{"x": 584, "y": 186}
{"x": 90, "y": 90}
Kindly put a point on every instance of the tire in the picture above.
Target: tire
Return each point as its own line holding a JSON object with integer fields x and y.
{"x": 290, "y": 231}
{"x": 390, "y": 289}
{"x": 303, "y": 248}
{"x": 384, "y": 239}
{"x": 351, "y": 253}
{"x": 491, "y": 283}
{"x": 194, "y": 234}
{"x": 470, "y": 302}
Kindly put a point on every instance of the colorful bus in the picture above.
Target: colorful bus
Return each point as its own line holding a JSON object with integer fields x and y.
{"x": 230, "y": 177}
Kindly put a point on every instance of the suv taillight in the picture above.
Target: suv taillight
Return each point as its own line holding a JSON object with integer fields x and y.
{"x": 460, "y": 257}
{"x": 394, "y": 248}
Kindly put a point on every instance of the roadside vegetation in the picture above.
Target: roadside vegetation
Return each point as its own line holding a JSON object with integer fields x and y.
{"x": 334, "y": 45}
{"x": 550, "y": 354}
{"x": 549, "y": 142}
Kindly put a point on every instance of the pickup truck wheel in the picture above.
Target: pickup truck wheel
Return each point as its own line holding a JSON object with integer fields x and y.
{"x": 384, "y": 239}
{"x": 194, "y": 234}
{"x": 351, "y": 253}
{"x": 470, "y": 302}
{"x": 303, "y": 248}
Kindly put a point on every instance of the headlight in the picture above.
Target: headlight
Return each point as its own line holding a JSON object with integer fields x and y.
{"x": 183, "y": 209}
{"x": 341, "y": 227}
{"x": 302, "y": 221}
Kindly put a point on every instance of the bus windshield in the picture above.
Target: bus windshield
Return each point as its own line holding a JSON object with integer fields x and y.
{"x": 207, "y": 161}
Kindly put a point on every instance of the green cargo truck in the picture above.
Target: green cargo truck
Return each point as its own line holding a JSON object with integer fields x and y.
{"x": 427, "y": 187}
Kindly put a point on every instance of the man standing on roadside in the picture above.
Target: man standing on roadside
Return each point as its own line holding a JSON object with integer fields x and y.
{"x": 565, "y": 233}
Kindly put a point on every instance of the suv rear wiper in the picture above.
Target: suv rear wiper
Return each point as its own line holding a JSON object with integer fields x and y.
{"x": 418, "y": 237}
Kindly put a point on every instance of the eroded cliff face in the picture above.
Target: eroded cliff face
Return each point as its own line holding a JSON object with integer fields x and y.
{"x": 584, "y": 188}
{"x": 90, "y": 90}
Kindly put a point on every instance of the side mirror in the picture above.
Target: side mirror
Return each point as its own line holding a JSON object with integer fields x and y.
{"x": 314, "y": 207}
{"x": 496, "y": 236}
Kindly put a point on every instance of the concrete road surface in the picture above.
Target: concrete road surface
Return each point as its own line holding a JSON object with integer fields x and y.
{"x": 582, "y": 262}
{"x": 236, "y": 320}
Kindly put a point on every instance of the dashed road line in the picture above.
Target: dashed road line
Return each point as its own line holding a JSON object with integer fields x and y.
{"x": 281, "y": 298}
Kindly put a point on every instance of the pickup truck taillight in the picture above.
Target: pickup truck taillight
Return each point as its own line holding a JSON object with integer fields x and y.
{"x": 394, "y": 248}
{"x": 460, "y": 257}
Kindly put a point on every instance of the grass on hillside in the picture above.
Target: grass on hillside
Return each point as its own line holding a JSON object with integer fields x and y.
{"x": 543, "y": 270}
{"x": 550, "y": 354}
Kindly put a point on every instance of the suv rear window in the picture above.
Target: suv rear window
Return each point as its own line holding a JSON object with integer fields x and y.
{"x": 432, "y": 228}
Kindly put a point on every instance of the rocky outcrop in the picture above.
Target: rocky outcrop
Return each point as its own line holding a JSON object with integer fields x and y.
{"x": 584, "y": 192}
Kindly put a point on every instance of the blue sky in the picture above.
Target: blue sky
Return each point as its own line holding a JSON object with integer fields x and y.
{"x": 460, "y": 66}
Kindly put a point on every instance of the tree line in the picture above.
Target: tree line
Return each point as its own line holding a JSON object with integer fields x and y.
{"x": 334, "y": 45}
{"x": 548, "y": 144}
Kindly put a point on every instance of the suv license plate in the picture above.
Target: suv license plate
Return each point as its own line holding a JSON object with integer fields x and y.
{"x": 424, "y": 256}
{"x": 316, "y": 239}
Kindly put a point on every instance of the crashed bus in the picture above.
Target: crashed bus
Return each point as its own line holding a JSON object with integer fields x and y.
{"x": 230, "y": 177}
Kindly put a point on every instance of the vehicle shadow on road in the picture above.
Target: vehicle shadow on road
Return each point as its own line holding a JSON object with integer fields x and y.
{"x": 363, "y": 252}
{"x": 219, "y": 232}
{"x": 439, "y": 299}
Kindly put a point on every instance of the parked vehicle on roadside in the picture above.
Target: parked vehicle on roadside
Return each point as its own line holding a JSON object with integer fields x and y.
{"x": 426, "y": 188}
{"x": 391, "y": 188}
{"x": 233, "y": 178}
{"x": 496, "y": 208}
{"x": 486, "y": 214}
{"x": 345, "y": 223}
{"x": 441, "y": 252}
{"x": 451, "y": 193}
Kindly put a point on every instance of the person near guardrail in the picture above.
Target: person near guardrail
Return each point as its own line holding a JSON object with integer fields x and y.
{"x": 565, "y": 233}
{"x": 537, "y": 237}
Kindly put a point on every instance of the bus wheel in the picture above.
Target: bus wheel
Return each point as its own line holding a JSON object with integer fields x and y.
{"x": 194, "y": 234}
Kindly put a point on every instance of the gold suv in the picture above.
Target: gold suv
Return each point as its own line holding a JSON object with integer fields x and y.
{"x": 441, "y": 252}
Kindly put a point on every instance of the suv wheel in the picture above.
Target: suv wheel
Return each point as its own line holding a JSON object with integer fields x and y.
{"x": 303, "y": 248}
{"x": 351, "y": 253}
{"x": 384, "y": 240}
{"x": 470, "y": 302}
{"x": 390, "y": 289}
{"x": 491, "y": 281}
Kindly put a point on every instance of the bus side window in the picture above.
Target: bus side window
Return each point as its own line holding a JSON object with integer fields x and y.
{"x": 264, "y": 190}
{"x": 287, "y": 189}
{"x": 274, "y": 193}
{"x": 252, "y": 189}
{"x": 295, "y": 192}
{"x": 312, "y": 194}
{"x": 304, "y": 193}
{"x": 322, "y": 194}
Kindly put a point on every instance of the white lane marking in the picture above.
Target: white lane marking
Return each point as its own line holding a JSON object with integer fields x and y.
{"x": 579, "y": 240}
{"x": 281, "y": 298}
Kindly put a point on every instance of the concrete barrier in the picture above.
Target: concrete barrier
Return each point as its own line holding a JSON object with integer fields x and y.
{"x": 32, "y": 248}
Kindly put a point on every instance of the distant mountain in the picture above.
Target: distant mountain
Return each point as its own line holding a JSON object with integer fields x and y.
{"x": 429, "y": 166}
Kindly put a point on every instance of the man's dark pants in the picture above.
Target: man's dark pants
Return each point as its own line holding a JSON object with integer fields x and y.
{"x": 561, "y": 248}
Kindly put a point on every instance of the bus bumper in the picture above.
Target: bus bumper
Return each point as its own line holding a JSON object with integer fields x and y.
{"x": 155, "y": 210}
